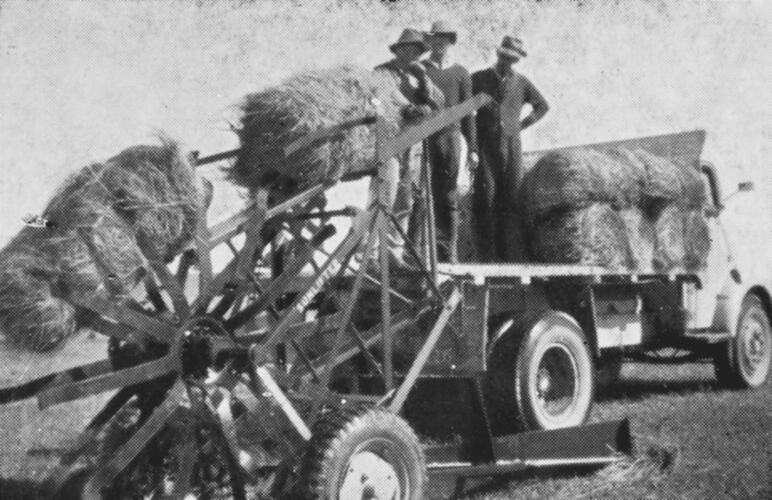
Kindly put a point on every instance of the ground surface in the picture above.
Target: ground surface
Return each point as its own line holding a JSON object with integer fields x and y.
{"x": 692, "y": 440}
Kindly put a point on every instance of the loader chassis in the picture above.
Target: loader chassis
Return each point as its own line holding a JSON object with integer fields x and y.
{"x": 267, "y": 383}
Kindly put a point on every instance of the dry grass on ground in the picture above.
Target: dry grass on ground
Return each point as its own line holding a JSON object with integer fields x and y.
{"x": 692, "y": 440}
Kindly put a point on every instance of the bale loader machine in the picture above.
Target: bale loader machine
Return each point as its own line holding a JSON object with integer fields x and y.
{"x": 299, "y": 371}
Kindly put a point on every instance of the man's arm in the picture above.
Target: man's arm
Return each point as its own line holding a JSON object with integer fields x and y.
{"x": 538, "y": 104}
{"x": 428, "y": 93}
{"x": 468, "y": 124}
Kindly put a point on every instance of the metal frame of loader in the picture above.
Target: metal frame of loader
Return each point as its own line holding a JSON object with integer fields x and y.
{"x": 244, "y": 347}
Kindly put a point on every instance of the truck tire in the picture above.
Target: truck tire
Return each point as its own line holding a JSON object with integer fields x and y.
{"x": 745, "y": 360}
{"x": 541, "y": 377}
{"x": 362, "y": 453}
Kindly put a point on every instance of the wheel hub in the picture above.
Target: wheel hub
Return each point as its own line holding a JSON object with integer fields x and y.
{"x": 370, "y": 477}
{"x": 556, "y": 380}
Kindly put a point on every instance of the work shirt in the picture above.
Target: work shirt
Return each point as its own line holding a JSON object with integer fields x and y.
{"x": 456, "y": 84}
{"x": 510, "y": 92}
{"x": 416, "y": 93}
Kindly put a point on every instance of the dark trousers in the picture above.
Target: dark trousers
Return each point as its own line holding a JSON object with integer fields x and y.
{"x": 445, "y": 161}
{"x": 496, "y": 213}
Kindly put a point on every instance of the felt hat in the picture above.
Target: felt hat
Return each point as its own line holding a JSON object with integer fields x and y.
{"x": 410, "y": 36}
{"x": 512, "y": 47}
{"x": 442, "y": 28}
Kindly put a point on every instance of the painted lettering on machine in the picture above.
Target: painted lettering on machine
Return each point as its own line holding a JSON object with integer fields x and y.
{"x": 332, "y": 268}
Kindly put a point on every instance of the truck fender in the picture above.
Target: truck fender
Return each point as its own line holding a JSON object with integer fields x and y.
{"x": 523, "y": 323}
{"x": 730, "y": 301}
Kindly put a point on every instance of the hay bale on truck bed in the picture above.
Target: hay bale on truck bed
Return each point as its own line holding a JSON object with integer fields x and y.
{"x": 682, "y": 240}
{"x": 303, "y": 103}
{"x": 640, "y": 237}
{"x": 594, "y": 235}
{"x": 577, "y": 178}
{"x": 666, "y": 181}
{"x": 145, "y": 188}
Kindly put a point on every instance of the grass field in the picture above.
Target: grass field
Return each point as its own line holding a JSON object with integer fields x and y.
{"x": 692, "y": 440}
{"x": 83, "y": 79}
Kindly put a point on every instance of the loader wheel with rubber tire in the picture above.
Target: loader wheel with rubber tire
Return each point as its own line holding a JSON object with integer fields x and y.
{"x": 363, "y": 453}
{"x": 745, "y": 360}
{"x": 542, "y": 376}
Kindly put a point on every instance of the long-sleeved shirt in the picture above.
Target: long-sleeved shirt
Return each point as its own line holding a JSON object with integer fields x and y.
{"x": 419, "y": 93}
{"x": 510, "y": 92}
{"x": 456, "y": 84}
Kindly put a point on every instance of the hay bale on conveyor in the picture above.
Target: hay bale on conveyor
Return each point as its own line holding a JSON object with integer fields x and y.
{"x": 594, "y": 235}
{"x": 578, "y": 178}
{"x": 682, "y": 240}
{"x": 145, "y": 188}
{"x": 303, "y": 103}
{"x": 640, "y": 236}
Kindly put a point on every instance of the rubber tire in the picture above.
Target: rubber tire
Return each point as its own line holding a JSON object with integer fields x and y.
{"x": 727, "y": 362}
{"x": 512, "y": 367}
{"x": 338, "y": 435}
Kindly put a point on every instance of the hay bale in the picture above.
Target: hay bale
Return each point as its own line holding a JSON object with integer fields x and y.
{"x": 308, "y": 101}
{"x": 30, "y": 315}
{"x": 577, "y": 178}
{"x": 594, "y": 235}
{"x": 682, "y": 239}
{"x": 666, "y": 180}
{"x": 145, "y": 188}
{"x": 640, "y": 237}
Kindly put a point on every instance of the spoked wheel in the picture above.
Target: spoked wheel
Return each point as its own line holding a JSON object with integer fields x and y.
{"x": 361, "y": 454}
{"x": 541, "y": 377}
{"x": 745, "y": 361}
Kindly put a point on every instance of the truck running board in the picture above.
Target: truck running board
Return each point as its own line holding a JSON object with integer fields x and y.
{"x": 585, "y": 446}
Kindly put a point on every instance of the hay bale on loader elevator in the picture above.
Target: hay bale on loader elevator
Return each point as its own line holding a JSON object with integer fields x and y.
{"x": 148, "y": 189}
{"x": 303, "y": 103}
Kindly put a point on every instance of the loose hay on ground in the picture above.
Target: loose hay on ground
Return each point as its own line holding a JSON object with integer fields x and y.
{"x": 303, "y": 103}
{"x": 149, "y": 189}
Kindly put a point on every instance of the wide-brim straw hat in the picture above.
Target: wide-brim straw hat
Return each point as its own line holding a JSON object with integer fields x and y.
{"x": 442, "y": 28}
{"x": 512, "y": 47}
{"x": 410, "y": 36}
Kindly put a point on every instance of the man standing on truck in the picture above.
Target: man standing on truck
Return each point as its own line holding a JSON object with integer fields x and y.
{"x": 446, "y": 148}
{"x": 496, "y": 220}
{"x": 424, "y": 97}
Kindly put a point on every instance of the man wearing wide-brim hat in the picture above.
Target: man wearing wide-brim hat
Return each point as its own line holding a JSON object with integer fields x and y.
{"x": 423, "y": 97}
{"x": 447, "y": 148}
{"x": 496, "y": 218}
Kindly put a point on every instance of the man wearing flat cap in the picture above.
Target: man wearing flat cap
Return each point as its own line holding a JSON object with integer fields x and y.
{"x": 496, "y": 218}
{"x": 423, "y": 98}
{"x": 447, "y": 147}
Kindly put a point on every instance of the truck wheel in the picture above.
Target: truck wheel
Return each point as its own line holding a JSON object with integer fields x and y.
{"x": 542, "y": 378}
{"x": 744, "y": 361}
{"x": 363, "y": 453}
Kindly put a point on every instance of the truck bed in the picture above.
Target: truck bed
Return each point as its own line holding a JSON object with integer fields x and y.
{"x": 479, "y": 272}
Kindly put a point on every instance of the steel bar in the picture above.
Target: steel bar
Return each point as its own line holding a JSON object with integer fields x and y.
{"x": 326, "y": 134}
{"x": 33, "y": 387}
{"x": 106, "y": 472}
{"x": 411, "y": 248}
{"x": 270, "y": 385}
{"x": 60, "y": 393}
{"x": 170, "y": 284}
{"x": 159, "y": 330}
{"x": 431, "y": 125}
{"x": 426, "y": 350}
{"x": 216, "y": 157}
